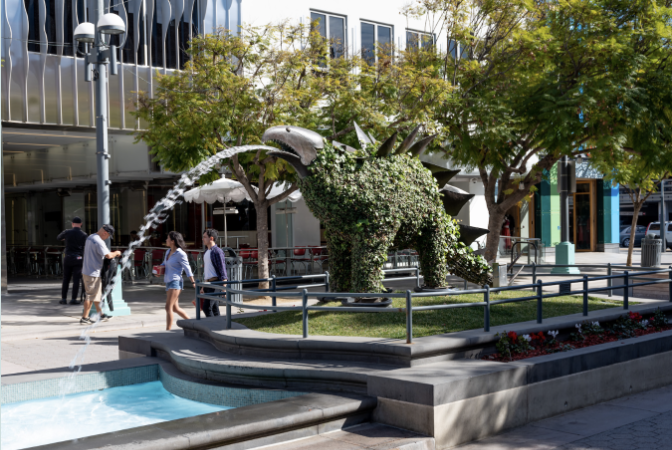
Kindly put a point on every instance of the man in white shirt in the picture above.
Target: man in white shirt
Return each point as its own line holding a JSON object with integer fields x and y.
{"x": 214, "y": 268}
{"x": 95, "y": 251}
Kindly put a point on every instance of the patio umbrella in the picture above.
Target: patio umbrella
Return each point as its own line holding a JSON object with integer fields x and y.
{"x": 225, "y": 190}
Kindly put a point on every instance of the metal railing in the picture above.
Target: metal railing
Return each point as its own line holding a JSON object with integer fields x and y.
{"x": 537, "y": 288}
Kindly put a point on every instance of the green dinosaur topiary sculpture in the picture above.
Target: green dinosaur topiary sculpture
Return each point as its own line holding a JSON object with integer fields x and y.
{"x": 378, "y": 198}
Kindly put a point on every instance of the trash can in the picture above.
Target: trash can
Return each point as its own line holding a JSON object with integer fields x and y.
{"x": 234, "y": 270}
{"x": 651, "y": 251}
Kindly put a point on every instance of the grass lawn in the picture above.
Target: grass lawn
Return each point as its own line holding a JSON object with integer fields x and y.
{"x": 425, "y": 323}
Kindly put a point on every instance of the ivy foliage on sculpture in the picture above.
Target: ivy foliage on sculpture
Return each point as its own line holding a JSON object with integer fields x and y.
{"x": 377, "y": 198}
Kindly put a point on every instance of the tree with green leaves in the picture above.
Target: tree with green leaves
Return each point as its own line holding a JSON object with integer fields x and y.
{"x": 537, "y": 80}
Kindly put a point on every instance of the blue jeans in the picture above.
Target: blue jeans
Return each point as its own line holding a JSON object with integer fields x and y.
{"x": 175, "y": 284}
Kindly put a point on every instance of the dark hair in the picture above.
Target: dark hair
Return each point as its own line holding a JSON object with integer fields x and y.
{"x": 134, "y": 232}
{"x": 178, "y": 239}
{"x": 108, "y": 229}
{"x": 211, "y": 233}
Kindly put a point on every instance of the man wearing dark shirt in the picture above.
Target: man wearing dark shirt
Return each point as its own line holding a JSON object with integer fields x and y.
{"x": 214, "y": 268}
{"x": 74, "y": 239}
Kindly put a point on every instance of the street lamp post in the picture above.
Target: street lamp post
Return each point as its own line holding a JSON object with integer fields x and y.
{"x": 564, "y": 251}
{"x": 95, "y": 67}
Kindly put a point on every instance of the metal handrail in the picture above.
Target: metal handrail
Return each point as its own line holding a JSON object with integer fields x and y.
{"x": 537, "y": 287}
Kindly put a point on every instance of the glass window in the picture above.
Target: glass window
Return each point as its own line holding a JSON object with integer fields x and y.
{"x": 331, "y": 28}
{"x": 626, "y": 230}
{"x": 33, "y": 11}
{"x": 69, "y": 29}
{"x": 369, "y": 42}
{"x": 669, "y": 228}
{"x": 157, "y": 38}
{"x": 318, "y": 23}
{"x": 375, "y": 38}
{"x": 50, "y": 26}
{"x": 416, "y": 39}
{"x": 336, "y": 36}
{"x": 385, "y": 39}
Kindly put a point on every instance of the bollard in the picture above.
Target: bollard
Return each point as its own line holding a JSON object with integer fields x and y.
{"x": 465, "y": 285}
{"x": 326, "y": 282}
{"x": 609, "y": 281}
{"x": 228, "y": 309}
{"x": 274, "y": 301}
{"x": 409, "y": 317}
{"x": 304, "y": 303}
{"x": 417, "y": 277}
{"x": 585, "y": 295}
{"x": 626, "y": 293}
{"x": 540, "y": 298}
{"x": 486, "y": 298}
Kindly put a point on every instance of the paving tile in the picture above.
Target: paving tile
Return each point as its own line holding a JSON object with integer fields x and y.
{"x": 527, "y": 437}
{"x": 594, "y": 419}
{"x": 658, "y": 400}
{"x": 315, "y": 443}
{"x": 371, "y": 435}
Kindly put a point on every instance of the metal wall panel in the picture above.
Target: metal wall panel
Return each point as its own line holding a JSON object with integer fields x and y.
{"x": 51, "y": 89}
{"x": 43, "y": 86}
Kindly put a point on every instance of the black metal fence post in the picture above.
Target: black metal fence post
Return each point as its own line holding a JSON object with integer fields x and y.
{"x": 585, "y": 295}
{"x": 626, "y": 291}
{"x": 409, "y": 317}
{"x": 198, "y": 302}
{"x": 228, "y": 309}
{"x": 274, "y": 300}
{"x": 304, "y": 302}
{"x": 540, "y": 298}
{"x": 609, "y": 281}
{"x": 486, "y": 318}
{"x": 534, "y": 272}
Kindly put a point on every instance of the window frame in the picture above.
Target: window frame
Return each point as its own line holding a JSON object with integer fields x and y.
{"x": 376, "y": 26}
{"x": 327, "y": 15}
{"x": 420, "y": 34}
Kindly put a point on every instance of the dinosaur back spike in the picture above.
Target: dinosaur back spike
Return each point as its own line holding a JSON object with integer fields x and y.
{"x": 408, "y": 141}
{"x": 469, "y": 234}
{"x": 363, "y": 138}
{"x": 444, "y": 177}
{"x": 454, "y": 199}
{"x": 387, "y": 146}
{"x": 421, "y": 146}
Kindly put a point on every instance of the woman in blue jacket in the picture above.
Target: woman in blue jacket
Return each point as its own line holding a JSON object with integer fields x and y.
{"x": 175, "y": 262}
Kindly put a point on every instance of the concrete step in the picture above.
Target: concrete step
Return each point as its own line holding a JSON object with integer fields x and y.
{"x": 201, "y": 360}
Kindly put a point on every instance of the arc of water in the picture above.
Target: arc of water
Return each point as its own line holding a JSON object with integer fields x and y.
{"x": 156, "y": 217}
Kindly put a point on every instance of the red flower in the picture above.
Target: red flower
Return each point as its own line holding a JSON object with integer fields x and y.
{"x": 635, "y": 316}
{"x": 540, "y": 336}
{"x": 512, "y": 335}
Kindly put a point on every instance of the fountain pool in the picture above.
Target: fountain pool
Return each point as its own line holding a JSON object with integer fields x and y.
{"x": 38, "y": 422}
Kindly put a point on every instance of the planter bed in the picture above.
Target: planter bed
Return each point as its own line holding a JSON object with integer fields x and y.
{"x": 514, "y": 347}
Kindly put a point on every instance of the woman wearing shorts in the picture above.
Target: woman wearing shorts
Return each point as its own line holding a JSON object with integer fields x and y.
{"x": 175, "y": 262}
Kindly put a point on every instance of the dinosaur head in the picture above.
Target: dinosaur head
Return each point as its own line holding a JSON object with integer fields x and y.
{"x": 299, "y": 145}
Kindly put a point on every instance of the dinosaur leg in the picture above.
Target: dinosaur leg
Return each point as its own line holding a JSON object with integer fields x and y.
{"x": 340, "y": 262}
{"x": 432, "y": 257}
{"x": 368, "y": 256}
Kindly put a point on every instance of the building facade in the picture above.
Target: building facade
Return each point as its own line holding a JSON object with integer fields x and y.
{"x": 48, "y": 137}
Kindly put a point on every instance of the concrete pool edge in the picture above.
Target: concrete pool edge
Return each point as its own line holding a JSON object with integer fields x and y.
{"x": 50, "y": 384}
{"x": 241, "y": 428}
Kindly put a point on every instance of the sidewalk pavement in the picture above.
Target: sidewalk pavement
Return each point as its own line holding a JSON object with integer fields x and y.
{"x": 640, "y": 421}
{"x": 38, "y": 333}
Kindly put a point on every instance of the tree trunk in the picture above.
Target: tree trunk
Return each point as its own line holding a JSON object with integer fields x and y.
{"x": 495, "y": 226}
{"x": 633, "y": 230}
{"x": 262, "y": 242}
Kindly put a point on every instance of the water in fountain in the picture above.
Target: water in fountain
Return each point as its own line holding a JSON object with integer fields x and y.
{"x": 156, "y": 217}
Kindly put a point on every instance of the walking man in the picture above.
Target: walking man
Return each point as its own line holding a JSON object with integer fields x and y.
{"x": 95, "y": 251}
{"x": 74, "y": 239}
{"x": 214, "y": 262}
